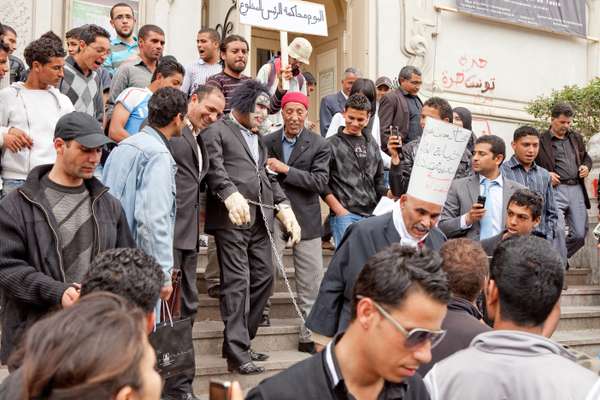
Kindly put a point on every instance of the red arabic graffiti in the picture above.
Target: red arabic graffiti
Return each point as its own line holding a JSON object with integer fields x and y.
{"x": 469, "y": 75}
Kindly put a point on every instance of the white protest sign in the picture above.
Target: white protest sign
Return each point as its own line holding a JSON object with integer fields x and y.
{"x": 440, "y": 151}
{"x": 289, "y": 16}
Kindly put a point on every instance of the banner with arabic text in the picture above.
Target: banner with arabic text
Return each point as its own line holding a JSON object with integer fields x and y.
{"x": 563, "y": 16}
{"x": 289, "y": 16}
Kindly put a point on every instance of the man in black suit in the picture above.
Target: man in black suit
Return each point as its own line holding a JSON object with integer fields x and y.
{"x": 335, "y": 103}
{"x": 301, "y": 160}
{"x": 411, "y": 223}
{"x": 189, "y": 152}
{"x": 241, "y": 207}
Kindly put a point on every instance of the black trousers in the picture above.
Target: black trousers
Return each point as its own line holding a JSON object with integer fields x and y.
{"x": 178, "y": 386}
{"x": 246, "y": 273}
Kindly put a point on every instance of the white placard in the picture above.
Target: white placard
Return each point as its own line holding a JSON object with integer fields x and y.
{"x": 289, "y": 15}
{"x": 440, "y": 151}
{"x": 384, "y": 206}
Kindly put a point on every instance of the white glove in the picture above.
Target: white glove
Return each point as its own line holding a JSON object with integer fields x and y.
{"x": 239, "y": 211}
{"x": 288, "y": 219}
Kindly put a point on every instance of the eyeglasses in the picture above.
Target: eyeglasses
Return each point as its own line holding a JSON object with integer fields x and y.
{"x": 415, "y": 337}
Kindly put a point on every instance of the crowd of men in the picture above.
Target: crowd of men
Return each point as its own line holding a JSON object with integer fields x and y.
{"x": 116, "y": 158}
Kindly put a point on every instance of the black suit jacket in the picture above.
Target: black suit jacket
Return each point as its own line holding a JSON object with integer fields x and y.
{"x": 232, "y": 169}
{"x": 306, "y": 179}
{"x": 330, "y": 105}
{"x": 546, "y": 157}
{"x": 332, "y": 310}
{"x": 188, "y": 182}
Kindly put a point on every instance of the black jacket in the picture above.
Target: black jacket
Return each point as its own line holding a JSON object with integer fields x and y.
{"x": 332, "y": 309}
{"x": 232, "y": 169}
{"x": 306, "y": 179}
{"x": 462, "y": 323}
{"x": 32, "y": 278}
{"x": 188, "y": 181}
{"x": 400, "y": 174}
{"x": 546, "y": 158}
{"x": 313, "y": 379}
{"x": 356, "y": 189}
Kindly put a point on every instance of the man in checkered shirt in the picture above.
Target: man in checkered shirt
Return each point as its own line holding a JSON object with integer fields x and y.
{"x": 81, "y": 83}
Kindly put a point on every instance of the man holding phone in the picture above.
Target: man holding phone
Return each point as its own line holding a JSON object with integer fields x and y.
{"x": 476, "y": 205}
{"x": 403, "y": 157}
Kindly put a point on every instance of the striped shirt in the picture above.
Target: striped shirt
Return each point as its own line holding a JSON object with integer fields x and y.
{"x": 119, "y": 52}
{"x": 197, "y": 73}
{"x": 227, "y": 84}
{"x": 536, "y": 179}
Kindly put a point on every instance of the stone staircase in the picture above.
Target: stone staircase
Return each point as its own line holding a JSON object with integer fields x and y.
{"x": 579, "y": 325}
{"x": 579, "y": 328}
{"x": 280, "y": 340}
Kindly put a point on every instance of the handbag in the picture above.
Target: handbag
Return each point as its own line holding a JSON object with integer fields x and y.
{"x": 172, "y": 339}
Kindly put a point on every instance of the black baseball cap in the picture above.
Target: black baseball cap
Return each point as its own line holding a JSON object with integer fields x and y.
{"x": 81, "y": 127}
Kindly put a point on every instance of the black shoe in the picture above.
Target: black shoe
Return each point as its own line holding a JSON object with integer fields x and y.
{"x": 307, "y": 347}
{"x": 214, "y": 291}
{"x": 256, "y": 356}
{"x": 248, "y": 368}
{"x": 265, "y": 321}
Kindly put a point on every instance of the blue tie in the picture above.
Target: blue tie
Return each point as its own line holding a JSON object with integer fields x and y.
{"x": 486, "y": 223}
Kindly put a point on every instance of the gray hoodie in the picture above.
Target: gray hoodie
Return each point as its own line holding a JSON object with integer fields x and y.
{"x": 503, "y": 365}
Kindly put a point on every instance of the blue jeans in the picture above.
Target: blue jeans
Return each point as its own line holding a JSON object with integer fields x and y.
{"x": 340, "y": 224}
{"x": 8, "y": 185}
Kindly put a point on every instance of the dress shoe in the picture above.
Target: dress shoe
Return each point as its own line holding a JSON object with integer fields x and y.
{"x": 256, "y": 356}
{"x": 214, "y": 291}
{"x": 307, "y": 347}
{"x": 247, "y": 368}
{"x": 265, "y": 321}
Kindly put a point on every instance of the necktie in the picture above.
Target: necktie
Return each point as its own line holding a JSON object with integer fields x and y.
{"x": 487, "y": 227}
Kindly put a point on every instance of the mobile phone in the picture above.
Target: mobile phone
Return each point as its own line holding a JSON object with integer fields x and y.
{"x": 481, "y": 200}
{"x": 219, "y": 390}
{"x": 395, "y": 133}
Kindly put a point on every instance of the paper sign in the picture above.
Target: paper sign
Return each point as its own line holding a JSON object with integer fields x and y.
{"x": 384, "y": 206}
{"x": 289, "y": 15}
{"x": 440, "y": 151}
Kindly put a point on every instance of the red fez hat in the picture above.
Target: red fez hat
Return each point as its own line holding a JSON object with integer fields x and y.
{"x": 294, "y": 97}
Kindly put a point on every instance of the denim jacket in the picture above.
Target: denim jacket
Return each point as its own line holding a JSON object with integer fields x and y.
{"x": 140, "y": 172}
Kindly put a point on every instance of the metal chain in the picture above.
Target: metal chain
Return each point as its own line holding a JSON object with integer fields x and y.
{"x": 280, "y": 266}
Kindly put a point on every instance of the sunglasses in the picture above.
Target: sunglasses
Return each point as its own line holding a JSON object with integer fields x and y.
{"x": 415, "y": 337}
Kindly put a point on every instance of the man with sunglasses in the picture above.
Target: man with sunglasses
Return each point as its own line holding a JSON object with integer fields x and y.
{"x": 81, "y": 83}
{"x": 515, "y": 361}
{"x": 399, "y": 302}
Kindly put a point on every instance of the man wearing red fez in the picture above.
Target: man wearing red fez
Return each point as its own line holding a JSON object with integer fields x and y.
{"x": 300, "y": 158}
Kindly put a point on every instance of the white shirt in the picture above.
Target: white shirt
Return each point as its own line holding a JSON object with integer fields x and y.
{"x": 338, "y": 120}
{"x": 494, "y": 205}
{"x": 406, "y": 239}
{"x": 196, "y": 132}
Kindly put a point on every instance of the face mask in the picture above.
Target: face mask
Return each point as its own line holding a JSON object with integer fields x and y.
{"x": 260, "y": 113}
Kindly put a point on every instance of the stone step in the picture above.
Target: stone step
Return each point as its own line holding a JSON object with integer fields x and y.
{"x": 578, "y": 276}
{"x": 581, "y": 296}
{"x": 214, "y": 367}
{"x": 587, "y": 340}
{"x": 281, "y": 335}
{"x": 281, "y": 307}
{"x": 573, "y": 318}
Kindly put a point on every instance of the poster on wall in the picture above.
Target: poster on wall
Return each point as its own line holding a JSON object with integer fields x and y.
{"x": 563, "y": 16}
{"x": 97, "y": 12}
